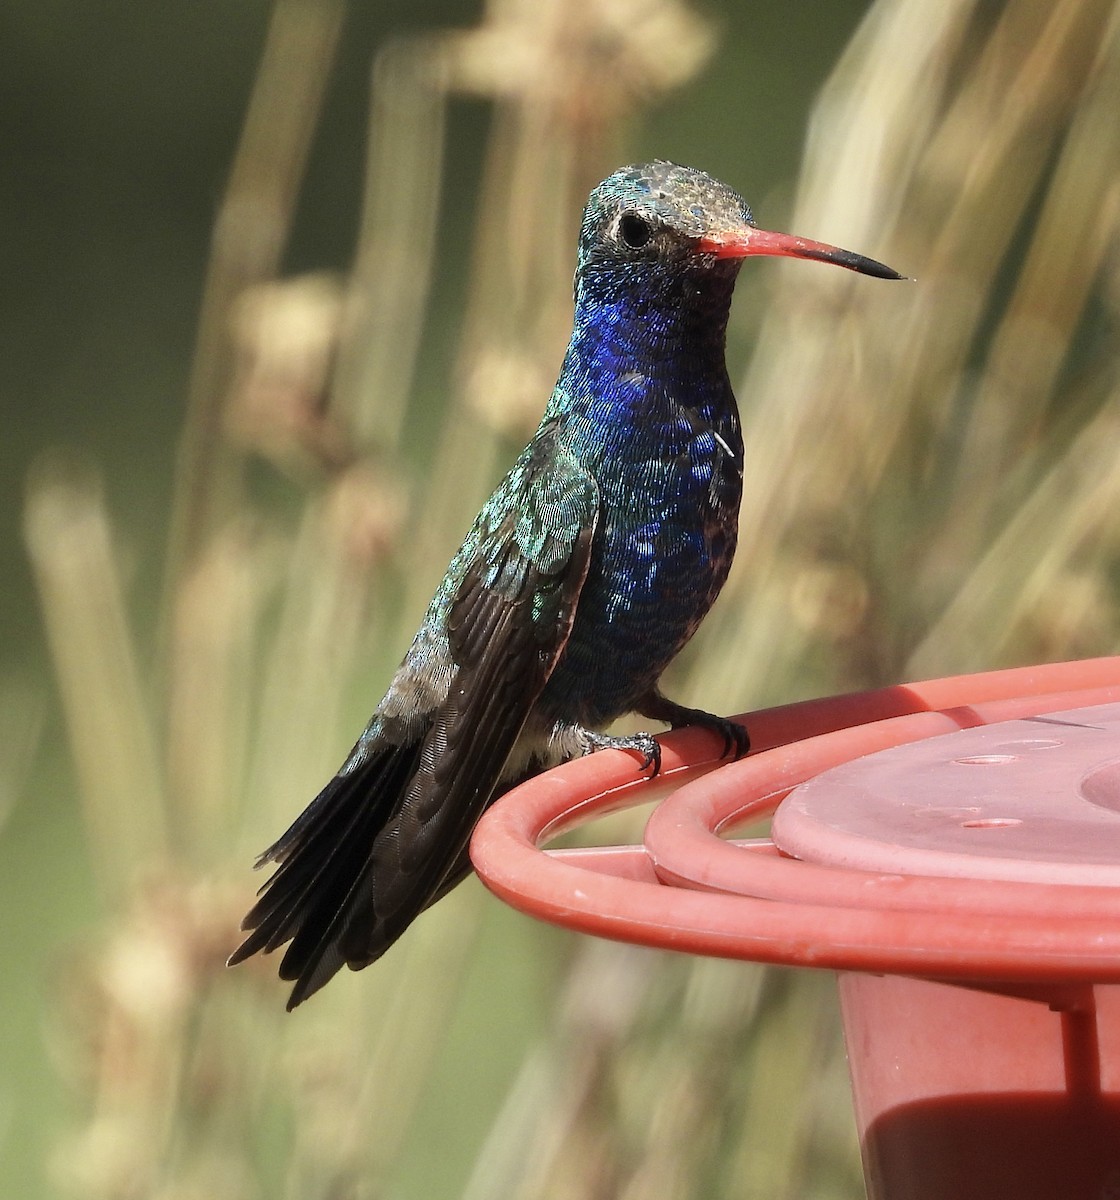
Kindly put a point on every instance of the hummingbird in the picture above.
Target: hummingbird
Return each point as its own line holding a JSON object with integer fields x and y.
{"x": 585, "y": 573}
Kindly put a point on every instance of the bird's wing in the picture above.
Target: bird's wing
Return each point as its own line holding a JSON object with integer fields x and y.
{"x": 378, "y": 843}
{"x": 507, "y": 625}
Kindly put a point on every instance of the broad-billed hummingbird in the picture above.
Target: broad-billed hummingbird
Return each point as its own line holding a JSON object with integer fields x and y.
{"x": 582, "y": 577}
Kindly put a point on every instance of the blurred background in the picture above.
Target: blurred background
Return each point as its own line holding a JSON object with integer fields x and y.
{"x": 286, "y": 287}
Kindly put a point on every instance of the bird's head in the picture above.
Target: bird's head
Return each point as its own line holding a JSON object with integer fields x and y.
{"x": 657, "y": 225}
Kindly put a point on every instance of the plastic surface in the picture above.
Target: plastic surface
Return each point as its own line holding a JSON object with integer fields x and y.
{"x": 1032, "y": 800}
{"x": 963, "y": 1094}
{"x": 722, "y": 895}
{"x": 952, "y": 847}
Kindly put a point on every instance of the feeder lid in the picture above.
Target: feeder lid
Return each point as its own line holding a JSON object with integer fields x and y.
{"x": 1034, "y": 800}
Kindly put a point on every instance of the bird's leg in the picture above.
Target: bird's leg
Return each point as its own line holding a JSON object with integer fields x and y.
{"x": 657, "y": 707}
{"x": 644, "y": 744}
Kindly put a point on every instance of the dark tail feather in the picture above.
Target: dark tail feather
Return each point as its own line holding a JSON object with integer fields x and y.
{"x": 322, "y": 886}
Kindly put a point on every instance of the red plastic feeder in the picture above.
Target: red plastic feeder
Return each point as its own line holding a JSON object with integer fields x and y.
{"x": 952, "y": 848}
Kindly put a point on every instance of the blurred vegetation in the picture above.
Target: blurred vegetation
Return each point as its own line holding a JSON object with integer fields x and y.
{"x": 931, "y": 483}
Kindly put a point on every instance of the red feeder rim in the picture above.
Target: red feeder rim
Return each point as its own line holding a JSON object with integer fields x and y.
{"x": 688, "y": 889}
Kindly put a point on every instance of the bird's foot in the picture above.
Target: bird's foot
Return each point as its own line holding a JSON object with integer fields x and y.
{"x": 736, "y": 740}
{"x": 644, "y": 744}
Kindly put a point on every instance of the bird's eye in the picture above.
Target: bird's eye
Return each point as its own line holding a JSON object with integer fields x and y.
{"x": 634, "y": 231}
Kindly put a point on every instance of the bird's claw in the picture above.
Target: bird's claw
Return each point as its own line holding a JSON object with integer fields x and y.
{"x": 736, "y": 740}
{"x": 644, "y": 744}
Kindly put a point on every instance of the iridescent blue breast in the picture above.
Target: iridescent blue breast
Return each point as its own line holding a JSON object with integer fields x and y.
{"x": 670, "y": 478}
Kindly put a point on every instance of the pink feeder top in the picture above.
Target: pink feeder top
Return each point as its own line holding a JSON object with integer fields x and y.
{"x": 1035, "y": 800}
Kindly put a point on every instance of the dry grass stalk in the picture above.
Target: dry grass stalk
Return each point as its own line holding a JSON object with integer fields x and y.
{"x": 927, "y": 463}
{"x": 196, "y": 1081}
{"x": 107, "y": 708}
{"x": 933, "y": 440}
{"x": 924, "y": 492}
